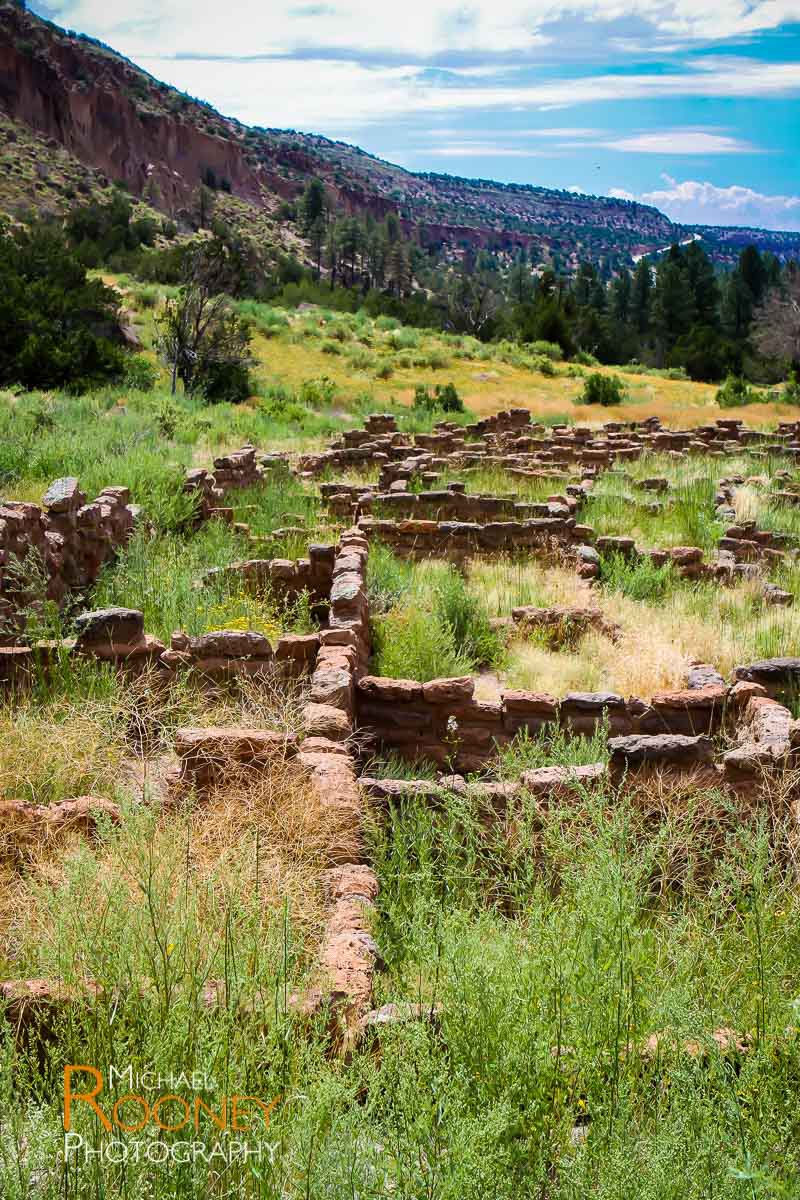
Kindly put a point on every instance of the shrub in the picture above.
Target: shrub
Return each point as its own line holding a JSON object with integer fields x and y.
{"x": 146, "y": 296}
{"x": 317, "y": 393}
{"x": 603, "y": 389}
{"x": 140, "y": 374}
{"x": 410, "y": 645}
{"x": 464, "y": 614}
{"x": 791, "y": 390}
{"x": 585, "y": 359}
{"x": 543, "y": 364}
{"x": 736, "y": 392}
{"x": 56, "y": 326}
{"x": 444, "y": 398}
{"x": 384, "y": 371}
{"x": 331, "y": 348}
{"x": 550, "y": 350}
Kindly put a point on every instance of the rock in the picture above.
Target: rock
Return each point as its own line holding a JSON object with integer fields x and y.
{"x": 703, "y": 675}
{"x": 378, "y": 687}
{"x": 80, "y": 814}
{"x": 322, "y": 720}
{"x": 775, "y": 674}
{"x": 332, "y": 685}
{"x": 551, "y": 783}
{"x": 777, "y": 596}
{"x": 540, "y": 704}
{"x": 105, "y": 626}
{"x": 666, "y": 749}
{"x": 206, "y": 754}
{"x": 449, "y": 691}
{"x": 230, "y": 643}
{"x": 63, "y": 495}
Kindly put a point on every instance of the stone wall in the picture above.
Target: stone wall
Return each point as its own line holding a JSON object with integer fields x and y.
{"x": 284, "y": 578}
{"x": 459, "y": 540}
{"x": 66, "y": 540}
{"x": 442, "y": 721}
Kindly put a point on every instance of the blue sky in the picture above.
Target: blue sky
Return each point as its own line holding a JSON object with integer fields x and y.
{"x": 692, "y": 105}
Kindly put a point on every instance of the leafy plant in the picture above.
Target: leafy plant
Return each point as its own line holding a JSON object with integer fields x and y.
{"x": 736, "y": 392}
{"x": 602, "y": 389}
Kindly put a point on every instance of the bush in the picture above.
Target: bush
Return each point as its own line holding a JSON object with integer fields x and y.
{"x": 445, "y": 398}
{"x": 384, "y": 371}
{"x": 410, "y": 645}
{"x": 317, "y": 393}
{"x": 56, "y": 326}
{"x": 550, "y": 350}
{"x": 542, "y": 364}
{"x": 585, "y": 359}
{"x": 140, "y": 374}
{"x": 464, "y": 614}
{"x": 791, "y": 390}
{"x": 603, "y": 389}
{"x": 736, "y": 392}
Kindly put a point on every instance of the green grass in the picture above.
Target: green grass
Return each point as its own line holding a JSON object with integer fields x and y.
{"x": 427, "y": 622}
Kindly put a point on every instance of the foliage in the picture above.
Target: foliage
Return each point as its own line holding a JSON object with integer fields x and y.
{"x": 736, "y": 392}
{"x": 444, "y": 398}
{"x": 202, "y": 338}
{"x": 638, "y": 578}
{"x": 56, "y": 325}
{"x": 140, "y": 374}
{"x": 602, "y": 389}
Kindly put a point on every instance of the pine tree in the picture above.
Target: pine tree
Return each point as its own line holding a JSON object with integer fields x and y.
{"x": 641, "y": 296}
{"x": 621, "y": 296}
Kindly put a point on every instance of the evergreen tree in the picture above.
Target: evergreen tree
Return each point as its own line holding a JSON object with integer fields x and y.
{"x": 314, "y": 204}
{"x": 672, "y": 305}
{"x": 621, "y": 296}
{"x": 641, "y": 296}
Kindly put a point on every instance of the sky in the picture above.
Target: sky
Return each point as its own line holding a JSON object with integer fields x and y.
{"x": 691, "y": 105}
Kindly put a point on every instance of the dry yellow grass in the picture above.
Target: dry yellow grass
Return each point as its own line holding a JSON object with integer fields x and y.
{"x": 659, "y": 641}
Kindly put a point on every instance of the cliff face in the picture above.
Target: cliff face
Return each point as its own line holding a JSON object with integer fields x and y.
{"x": 111, "y": 116}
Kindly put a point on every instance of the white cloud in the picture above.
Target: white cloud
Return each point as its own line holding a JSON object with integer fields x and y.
{"x": 481, "y": 150}
{"x": 679, "y": 141}
{"x": 324, "y": 94}
{"x": 695, "y": 203}
{"x": 621, "y": 194}
{"x": 422, "y": 27}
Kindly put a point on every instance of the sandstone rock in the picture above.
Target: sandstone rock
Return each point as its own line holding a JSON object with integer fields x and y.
{"x": 449, "y": 691}
{"x": 668, "y": 749}
{"x": 105, "y": 626}
{"x": 333, "y": 686}
{"x": 378, "y": 687}
{"x": 540, "y": 704}
{"x": 775, "y": 674}
{"x": 558, "y": 782}
{"x": 703, "y": 675}
{"x": 230, "y": 643}
{"x": 63, "y": 495}
{"x": 322, "y": 720}
{"x": 80, "y": 814}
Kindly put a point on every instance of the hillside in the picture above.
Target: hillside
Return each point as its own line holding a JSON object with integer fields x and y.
{"x": 96, "y": 110}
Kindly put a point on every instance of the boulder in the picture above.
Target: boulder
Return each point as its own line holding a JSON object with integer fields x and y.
{"x": 107, "y": 626}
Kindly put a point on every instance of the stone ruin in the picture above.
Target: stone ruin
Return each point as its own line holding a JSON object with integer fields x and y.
{"x": 736, "y": 735}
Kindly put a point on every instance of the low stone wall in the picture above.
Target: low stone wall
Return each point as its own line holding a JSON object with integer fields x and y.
{"x": 69, "y": 539}
{"x": 442, "y": 721}
{"x": 73, "y": 539}
{"x": 116, "y": 636}
{"x": 283, "y": 578}
{"x": 449, "y": 504}
{"x": 230, "y": 472}
{"x": 460, "y": 540}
